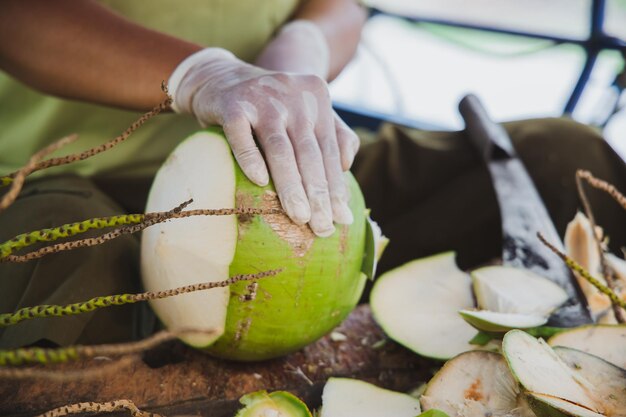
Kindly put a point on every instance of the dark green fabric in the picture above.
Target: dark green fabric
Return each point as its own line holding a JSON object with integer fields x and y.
{"x": 71, "y": 276}
{"x": 428, "y": 191}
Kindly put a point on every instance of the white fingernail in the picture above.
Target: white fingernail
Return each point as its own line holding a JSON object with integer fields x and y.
{"x": 259, "y": 175}
{"x": 343, "y": 214}
{"x": 324, "y": 231}
{"x": 298, "y": 210}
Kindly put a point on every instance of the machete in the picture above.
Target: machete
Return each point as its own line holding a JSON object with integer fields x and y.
{"x": 523, "y": 212}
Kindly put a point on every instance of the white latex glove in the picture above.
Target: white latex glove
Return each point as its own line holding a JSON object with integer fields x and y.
{"x": 300, "y": 47}
{"x": 292, "y": 120}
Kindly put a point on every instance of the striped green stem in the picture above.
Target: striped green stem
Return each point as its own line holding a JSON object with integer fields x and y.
{"x": 574, "y": 266}
{"x": 67, "y": 230}
{"x": 38, "y": 355}
{"x": 43, "y": 311}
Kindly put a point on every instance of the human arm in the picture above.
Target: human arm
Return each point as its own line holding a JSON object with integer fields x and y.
{"x": 306, "y": 146}
{"x": 81, "y": 50}
{"x": 339, "y": 21}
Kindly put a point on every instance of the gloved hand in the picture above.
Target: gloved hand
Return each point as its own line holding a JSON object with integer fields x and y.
{"x": 293, "y": 121}
{"x": 300, "y": 47}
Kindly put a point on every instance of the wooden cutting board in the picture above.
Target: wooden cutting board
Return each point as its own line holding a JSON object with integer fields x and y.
{"x": 174, "y": 379}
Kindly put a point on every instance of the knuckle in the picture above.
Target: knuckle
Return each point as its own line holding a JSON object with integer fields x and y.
{"x": 276, "y": 140}
{"x": 248, "y": 153}
{"x": 318, "y": 190}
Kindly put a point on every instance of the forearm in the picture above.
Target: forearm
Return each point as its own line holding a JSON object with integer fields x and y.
{"x": 341, "y": 21}
{"x": 80, "y": 50}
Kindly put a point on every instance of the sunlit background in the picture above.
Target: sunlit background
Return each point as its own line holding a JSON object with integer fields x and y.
{"x": 420, "y": 70}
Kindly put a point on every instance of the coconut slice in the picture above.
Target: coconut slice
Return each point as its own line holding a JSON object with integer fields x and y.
{"x": 345, "y": 397}
{"x": 492, "y": 321}
{"x": 475, "y": 384}
{"x": 604, "y": 341}
{"x": 548, "y": 406}
{"x": 545, "y": 375}
{"x": 276, "y": 404}
{"x": 608, "y": 380}
{"x": 507, "y": 289}
{"x": 417, "y": 305}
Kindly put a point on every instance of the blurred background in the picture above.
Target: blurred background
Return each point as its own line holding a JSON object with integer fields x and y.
{"x": 524, "y": 59}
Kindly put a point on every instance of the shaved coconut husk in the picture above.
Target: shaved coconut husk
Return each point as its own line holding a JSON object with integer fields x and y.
{"x": 492, "y": 321}
{"x": 604, "y": 341}
{"x": 475, "y": 384}
{"x": 546, "y": 376}
{"x": 548, "y": 406}
{"x": 506, "y": 289}
{"x": 321, "y": 279}
{"x": 417, "y": 305}
{"x": 608, "y": 380}
{"x": 345, "y": 397}
{"x": 618, "y": 265}
{"x": 581, "y": 246}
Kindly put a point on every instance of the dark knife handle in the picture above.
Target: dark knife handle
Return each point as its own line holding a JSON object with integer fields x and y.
{"x": 489, "y": 138}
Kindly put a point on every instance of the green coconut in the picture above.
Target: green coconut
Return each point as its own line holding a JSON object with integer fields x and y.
{"x": 275, "y": 404}
{"x": 321, "y": 279}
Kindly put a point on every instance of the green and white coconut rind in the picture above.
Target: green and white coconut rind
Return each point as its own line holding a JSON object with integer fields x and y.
{"x": 345, "y": 397}
{"x": 608, "y": 380}
{"x": 375, "y": 244}
{"x": 565, "y": 381}
{"x": 275, "y": 404}
{"x": 543, "y": 373}
{"x": 321, "y": 279}
{"x": 507, "y": 289}
{"x": 475, "y": 384}
{"x": 604, "y": 341}
{"x": 548, "y": 406}
{"x": 417, "y": 305}
{"x": 491, "y": 321}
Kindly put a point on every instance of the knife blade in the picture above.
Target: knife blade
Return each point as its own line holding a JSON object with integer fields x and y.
{"x": 523, "y": 212}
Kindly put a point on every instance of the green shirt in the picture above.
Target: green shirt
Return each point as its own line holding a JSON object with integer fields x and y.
{"x": 29, "y": 120}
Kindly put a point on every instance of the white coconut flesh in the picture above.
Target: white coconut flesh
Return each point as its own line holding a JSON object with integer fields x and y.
{"x": 492, "y": 321}
{"x": 507, "y": 289}
{"x": 608, "y": 380}
{"x": 604, "y": 341}
{"x": 417, "y": 305}
{"x": 475, "y": 384}
{"x": 195, "y": 249}
{"x": 345, "y": 397}
{"x": 543, "y": 373}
